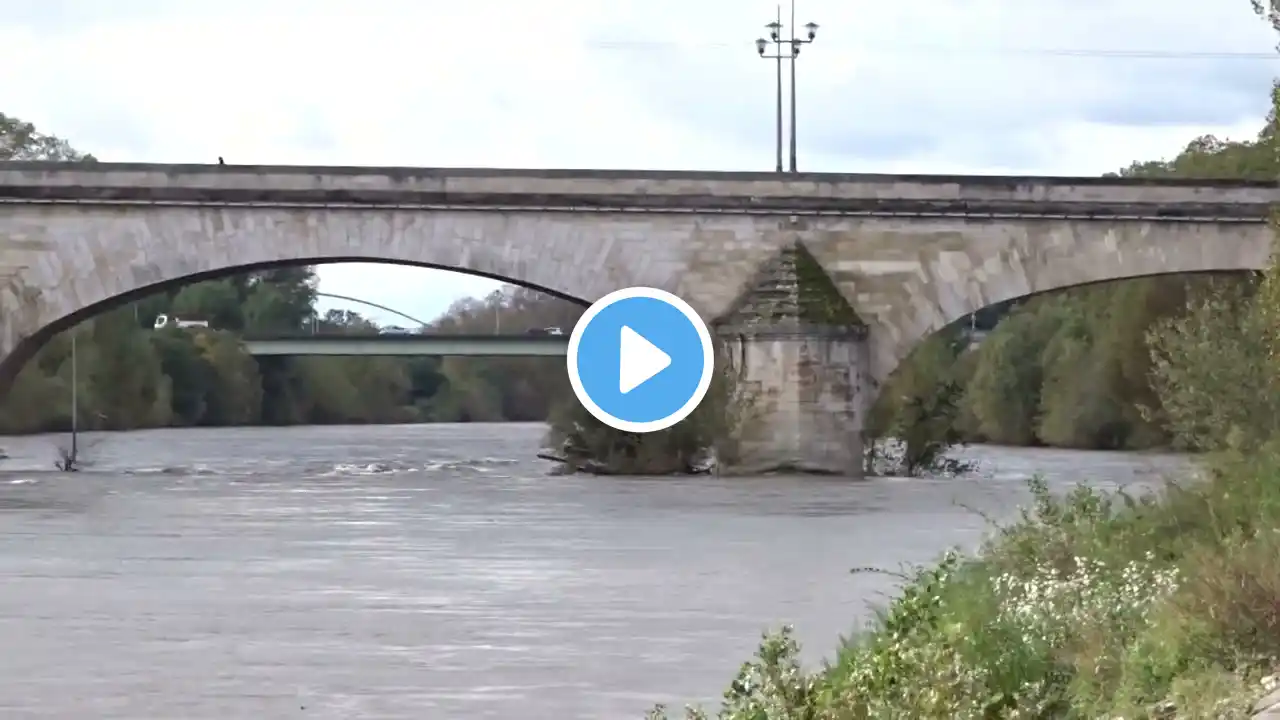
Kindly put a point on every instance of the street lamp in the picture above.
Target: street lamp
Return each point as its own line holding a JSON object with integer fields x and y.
{"x": 788, "y": 49}
{"x": 775, "y": 38}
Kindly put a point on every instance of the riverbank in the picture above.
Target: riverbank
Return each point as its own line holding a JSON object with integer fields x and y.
{"x": 1089, "y": 605}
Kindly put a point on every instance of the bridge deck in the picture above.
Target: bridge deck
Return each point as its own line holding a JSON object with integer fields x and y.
{"x": 636, "y": 191}
{"x": 412, "y": 345}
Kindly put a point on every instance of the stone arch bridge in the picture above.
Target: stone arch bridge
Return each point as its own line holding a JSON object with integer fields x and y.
{"x": 826, "y": 282}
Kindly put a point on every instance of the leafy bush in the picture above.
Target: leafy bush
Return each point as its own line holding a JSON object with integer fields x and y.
{"x": 1091, "y": 605}
{"x": 1077, "y": 610}
{"x": 692, "y": 445}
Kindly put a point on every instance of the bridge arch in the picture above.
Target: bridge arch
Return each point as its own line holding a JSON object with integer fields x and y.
{"x": 68, "y": 262}
{"x": 25, "y": 348}
{"x": 949, "y": 285}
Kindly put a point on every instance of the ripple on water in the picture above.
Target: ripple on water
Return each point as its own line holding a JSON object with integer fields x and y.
{"x": 395, "y": 573}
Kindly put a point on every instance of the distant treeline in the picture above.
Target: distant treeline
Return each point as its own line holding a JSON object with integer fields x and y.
{"x": 133, "y": 376}
{"x": 1073, "y": 368}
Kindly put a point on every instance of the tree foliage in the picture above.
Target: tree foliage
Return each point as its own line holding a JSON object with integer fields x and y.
{"x": 1091, "y": 367}
{"x": 132, "y": 376}
{"x": 710, "y": 432}
{"x": 20, "y": 140}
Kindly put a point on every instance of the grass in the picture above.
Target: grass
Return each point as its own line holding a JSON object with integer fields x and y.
{"x": 1089, "y": 605}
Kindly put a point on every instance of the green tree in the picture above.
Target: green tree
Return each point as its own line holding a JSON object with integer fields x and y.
{"x": 280, "y": 300}
{"x": 34, "y": 403}
{"x": 1213, "y": 368}
{"x": 20, "y": 140}
{"x": 1075, "y": 410}
{"x": 190, "y": 374}
{"x": 217, "y": 301}
{"x": 1004, "y": 393}
{"x": 920, "y": 407}
{"x": 235, "y": 397}
{"x": 127, "y": 382}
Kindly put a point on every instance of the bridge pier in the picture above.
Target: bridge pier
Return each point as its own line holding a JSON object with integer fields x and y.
{"x": 800, "y": 356}
{"x": 804, "y": 400}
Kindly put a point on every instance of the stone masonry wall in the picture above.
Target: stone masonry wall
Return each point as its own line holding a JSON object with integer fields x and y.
{"x": 801, "y": 352}
{"x": 807, "y": 412}
{"x": 902, "y": 271}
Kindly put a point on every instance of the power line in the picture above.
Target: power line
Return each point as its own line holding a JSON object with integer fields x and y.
{"x": 1099, "y": 53}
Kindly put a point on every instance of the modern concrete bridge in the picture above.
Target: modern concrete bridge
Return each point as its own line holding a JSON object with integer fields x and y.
{"x": 825, "y": 281}
{"x": 413, "y": 345}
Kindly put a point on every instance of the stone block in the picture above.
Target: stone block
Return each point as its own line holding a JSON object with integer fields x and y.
{"x": 807, "y": 403}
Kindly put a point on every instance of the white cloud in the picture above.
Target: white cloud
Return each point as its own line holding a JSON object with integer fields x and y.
{"x": 930, "y": 86}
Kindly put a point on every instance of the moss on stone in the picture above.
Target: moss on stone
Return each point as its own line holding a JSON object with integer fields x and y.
{"x": 818, "y": 300}
{"x": 792, "y": 289}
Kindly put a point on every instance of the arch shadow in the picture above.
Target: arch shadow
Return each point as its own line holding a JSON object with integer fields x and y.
{"x": 26, "y": 349}
{"x": 1012, "y": 303}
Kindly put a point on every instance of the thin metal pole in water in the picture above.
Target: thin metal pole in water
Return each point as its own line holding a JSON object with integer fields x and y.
{"x": 75, "y": 398}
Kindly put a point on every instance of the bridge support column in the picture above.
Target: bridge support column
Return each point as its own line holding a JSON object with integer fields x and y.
{"x": 805, "y": 397}
{"x": 800, "y": 356}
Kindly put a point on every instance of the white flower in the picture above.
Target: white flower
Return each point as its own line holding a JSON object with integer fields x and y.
{"x": 1044, "y": 604}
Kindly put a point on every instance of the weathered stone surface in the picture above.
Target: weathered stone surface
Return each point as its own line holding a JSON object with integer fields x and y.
{"x": 790, "y": 293}
{"x": 908, "y": 195}
{"x": 800, "y": 349}
{"x": 807, "y": 409}
{"x": 59, "y": 263}
{"x": 909, "y": 279}
{"x": 909, "y": 255}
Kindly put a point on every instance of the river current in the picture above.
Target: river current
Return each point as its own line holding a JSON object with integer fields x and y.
{"x": 438, "y": 571}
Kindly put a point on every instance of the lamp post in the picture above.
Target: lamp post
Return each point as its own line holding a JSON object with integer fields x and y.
{"x": 788, "y": 49}
{"x": 775, "y": 37}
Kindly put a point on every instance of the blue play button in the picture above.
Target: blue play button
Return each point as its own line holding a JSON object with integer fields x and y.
{"x": 640, "y": 359}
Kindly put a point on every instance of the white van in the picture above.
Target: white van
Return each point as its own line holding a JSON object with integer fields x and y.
{"x": 164, "y": 321}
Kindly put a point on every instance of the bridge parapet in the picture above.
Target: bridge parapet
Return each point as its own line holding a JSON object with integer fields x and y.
{"x": 651, "y": 191}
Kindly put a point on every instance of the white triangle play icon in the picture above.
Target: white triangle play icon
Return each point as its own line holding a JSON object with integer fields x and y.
{"x": 639, "y": 360}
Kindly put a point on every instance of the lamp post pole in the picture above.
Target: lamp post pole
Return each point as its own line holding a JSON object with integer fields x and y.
{"x": 789, "y": 50}
{"x": 775, "y": 37}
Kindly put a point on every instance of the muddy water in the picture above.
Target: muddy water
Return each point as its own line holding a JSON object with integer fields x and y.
{"x": 436, "y": 572}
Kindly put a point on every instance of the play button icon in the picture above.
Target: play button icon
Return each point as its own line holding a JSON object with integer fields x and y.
{"x": 640, "y": 359}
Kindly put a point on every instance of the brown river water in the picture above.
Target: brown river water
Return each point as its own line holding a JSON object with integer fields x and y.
{"x": 438, "y": 571}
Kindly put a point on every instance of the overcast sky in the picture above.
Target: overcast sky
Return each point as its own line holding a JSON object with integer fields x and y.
{"x": 979, "y": 86}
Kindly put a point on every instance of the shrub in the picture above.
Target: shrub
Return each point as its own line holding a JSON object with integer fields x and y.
{"x": 1089, "y": 605}
{"x": 706, "y": 437}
